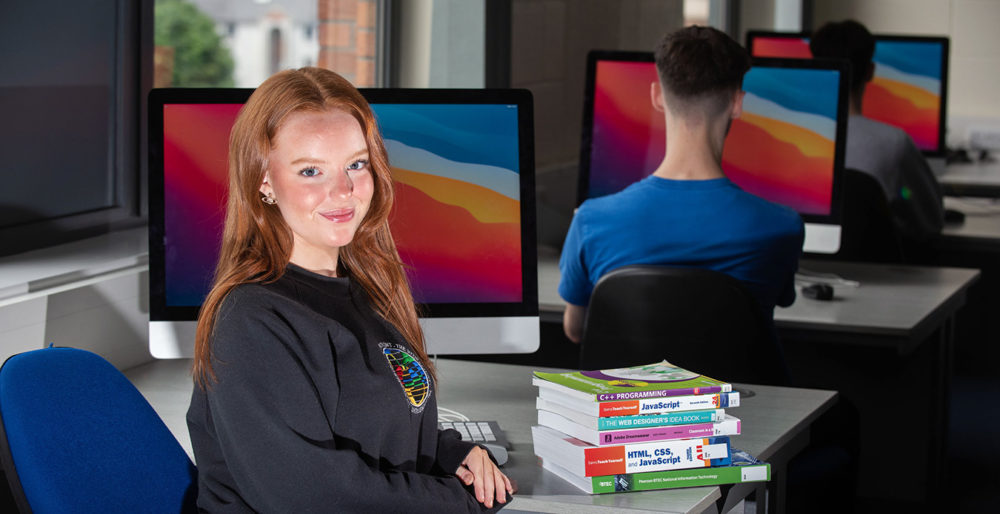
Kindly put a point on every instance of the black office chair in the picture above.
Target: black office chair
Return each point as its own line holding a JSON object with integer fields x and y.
{"x": 868, "y": 233}
{"x": 701, "y": 320}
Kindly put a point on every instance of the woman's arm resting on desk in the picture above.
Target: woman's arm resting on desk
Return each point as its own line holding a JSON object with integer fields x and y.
{"x": 573, "y": 318}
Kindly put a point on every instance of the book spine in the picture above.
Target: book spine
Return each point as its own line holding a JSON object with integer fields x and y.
{"x": 656, "y": 456}
{"x": 661, "y": 393}
{"x": 653, "y": 420}
{"x": 698, "y": 477}
{"x": 730, "y": 426}
{"x": 665, "y": 405}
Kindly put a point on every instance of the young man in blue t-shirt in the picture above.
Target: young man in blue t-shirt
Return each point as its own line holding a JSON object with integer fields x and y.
{"x": 687, "y": 213}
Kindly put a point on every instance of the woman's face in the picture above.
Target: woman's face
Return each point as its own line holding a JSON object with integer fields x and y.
{"x": 319, "y": 175}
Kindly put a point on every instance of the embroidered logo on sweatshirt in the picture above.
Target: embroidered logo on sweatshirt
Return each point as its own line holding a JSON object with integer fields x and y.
{"x": 411, "y": 375}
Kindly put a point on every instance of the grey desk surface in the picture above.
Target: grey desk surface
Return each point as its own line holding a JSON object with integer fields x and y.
{"x": 904, "y": 303}
{"x": 973, "y": 179}
{"x": 981, "y": 225}
{"x": 771, "y": 419}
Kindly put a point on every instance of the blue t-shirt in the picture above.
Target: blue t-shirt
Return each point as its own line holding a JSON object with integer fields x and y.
{"x": 710, "y": 224}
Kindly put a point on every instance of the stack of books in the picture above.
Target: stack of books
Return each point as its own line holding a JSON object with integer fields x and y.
{"x": 648, "y": 427}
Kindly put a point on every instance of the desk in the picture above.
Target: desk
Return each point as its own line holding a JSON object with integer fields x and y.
{"x": 774, "y": 424}
{"x": 980, "y": 231}
{"x": 971, "y": 179}
{"x": 893, "y": 333}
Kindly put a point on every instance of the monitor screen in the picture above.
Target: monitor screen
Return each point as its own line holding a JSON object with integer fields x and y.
{"x": 909, "y": 89}
{"x": 787, "y": 147}
{"x": 463, "y": 219}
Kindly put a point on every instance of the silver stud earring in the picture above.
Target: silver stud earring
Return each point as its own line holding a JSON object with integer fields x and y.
{"x": 269, "y": 198}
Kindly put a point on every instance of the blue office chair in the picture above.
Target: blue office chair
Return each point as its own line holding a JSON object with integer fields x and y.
{"x": 698, "y": 319}
{"x": 76, "y": 436}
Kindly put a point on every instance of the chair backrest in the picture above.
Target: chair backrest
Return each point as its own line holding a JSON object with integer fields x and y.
{"x": 77, "y": 436}
{"x": 698, "y": 319}
{"x": 868, "y": 232}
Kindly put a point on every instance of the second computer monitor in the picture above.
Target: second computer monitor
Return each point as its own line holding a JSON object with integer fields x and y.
{"x": 909, "y": 89}
{"x": 788, "y": 146}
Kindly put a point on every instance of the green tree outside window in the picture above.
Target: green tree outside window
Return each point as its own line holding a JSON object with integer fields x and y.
{"x": 199, "y": 57}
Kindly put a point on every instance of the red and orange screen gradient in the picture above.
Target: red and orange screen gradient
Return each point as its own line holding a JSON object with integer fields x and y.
{"x": 456, "y": 219}
{"x": 782, "y": 148}
{"x": 906, "y": 90}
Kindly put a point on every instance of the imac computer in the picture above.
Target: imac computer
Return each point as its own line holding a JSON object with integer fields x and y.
{"x": 909, "y": 89}
{"x": 463, "y": 218}
{"x": 788, "y": 146}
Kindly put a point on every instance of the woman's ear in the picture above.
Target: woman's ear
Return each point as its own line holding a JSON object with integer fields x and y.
{"x": 265, "y": 185}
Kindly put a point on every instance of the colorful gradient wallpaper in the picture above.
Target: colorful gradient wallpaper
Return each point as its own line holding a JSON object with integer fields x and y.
{"x": 457, "y": 214}
{"x": 627, "y": 134}
{"x": 195, "y": 149}
{"x": 782, "y": 149}
{"x": 906, "y": 89}
{"x": 457, "y": 218}
{"x": 794, "y": 47}
{"x": 783, "y": 146}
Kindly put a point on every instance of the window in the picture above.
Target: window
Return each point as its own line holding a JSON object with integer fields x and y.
{"x": 239, "y": 43}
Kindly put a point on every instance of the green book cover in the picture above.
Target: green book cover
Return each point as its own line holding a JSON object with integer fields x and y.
{"x": 657, "y": 380}
{"x": 681, "y": 478}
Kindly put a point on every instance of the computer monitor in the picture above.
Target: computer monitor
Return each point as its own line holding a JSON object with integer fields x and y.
{"x": 788, "y": 146}
{"x": 909, "y": 89}
{"x": 464, "y": 217}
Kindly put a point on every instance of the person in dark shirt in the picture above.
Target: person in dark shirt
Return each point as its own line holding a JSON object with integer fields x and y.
{"x": 313, "y": 388}
{"x": 883, "y": 151}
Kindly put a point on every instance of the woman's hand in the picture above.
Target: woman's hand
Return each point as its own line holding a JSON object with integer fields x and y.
{"x": 488, "y": 482}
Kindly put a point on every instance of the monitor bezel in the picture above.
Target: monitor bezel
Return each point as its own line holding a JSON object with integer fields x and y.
{"x": 527, "y": 307}
{"x": 945, "y": 43}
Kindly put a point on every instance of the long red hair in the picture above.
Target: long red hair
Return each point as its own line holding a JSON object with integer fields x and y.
{"x": 256, "y": 241}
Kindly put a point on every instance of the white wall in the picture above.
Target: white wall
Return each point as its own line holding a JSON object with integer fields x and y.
{"x": 974, "y": 68}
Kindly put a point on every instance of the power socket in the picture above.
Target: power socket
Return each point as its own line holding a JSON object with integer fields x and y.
{"x": 984, "y": 138}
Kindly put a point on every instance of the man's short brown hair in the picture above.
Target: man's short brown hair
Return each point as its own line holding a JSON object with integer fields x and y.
{"x": 696, "y": 63}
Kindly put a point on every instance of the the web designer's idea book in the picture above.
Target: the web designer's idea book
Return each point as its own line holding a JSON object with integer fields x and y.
{"x": 743, "y": 469}
{"x": 657, "y": 380}
{"x": 729, "y": 425}
{"x": 585, "y": 459}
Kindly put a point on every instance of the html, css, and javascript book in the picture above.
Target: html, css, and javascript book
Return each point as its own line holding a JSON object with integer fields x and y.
{"x": 583, "y": 459}
{"x": 657, "y": 380}
{"x": 744, "y": 468}
{"x": 729, "y": 425}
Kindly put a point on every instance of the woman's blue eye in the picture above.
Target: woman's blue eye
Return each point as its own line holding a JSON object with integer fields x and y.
{"x": 358, "y": 165}
{"x": 309, "y": 172}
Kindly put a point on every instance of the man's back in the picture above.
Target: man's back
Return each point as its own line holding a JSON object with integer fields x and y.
{"x": 709, "y": 224}
{"x": 888, "y": 154}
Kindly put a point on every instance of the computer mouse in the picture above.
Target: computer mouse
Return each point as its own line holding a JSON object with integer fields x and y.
{"x": 498, "y": 451}
{"x": 818, "y": 291}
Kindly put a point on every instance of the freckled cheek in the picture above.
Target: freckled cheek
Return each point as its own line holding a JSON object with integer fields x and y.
{"x": 364, "y": 188}
{"x": 303, "y": 199}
